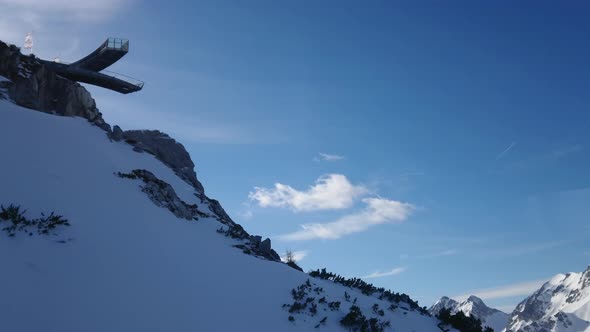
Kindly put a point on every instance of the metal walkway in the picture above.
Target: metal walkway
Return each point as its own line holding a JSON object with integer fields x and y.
{"x": 88, "y": 69}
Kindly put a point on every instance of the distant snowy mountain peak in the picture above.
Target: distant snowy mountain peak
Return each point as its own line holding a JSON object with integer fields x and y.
{"x": 475, "y": 307}
{"x": 444, "y": 302}
{"x": 561, "y": 304}
{"x": 476, "y": 300}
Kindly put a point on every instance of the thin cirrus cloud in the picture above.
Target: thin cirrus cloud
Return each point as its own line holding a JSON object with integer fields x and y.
{"x": 518, "y": 289}
{"x": 378, "y": 274}
{"x": 448, "y": 252}
{"x": 377, "y": 211}
{"x": 330, "y": 192}
{"x": 444, "y": 253}
{"x": 505, "y": 151}
{"x": 328, "y": 157}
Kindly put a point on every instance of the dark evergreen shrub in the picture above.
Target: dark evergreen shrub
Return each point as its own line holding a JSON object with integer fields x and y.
{"x": 313, "y": 309}
{"x": 17, "y": 222}
{"x": 460, "y": 321}
{"x": 354, "y": 319}
{"x": 297, "y": 307}
{"x": 334, "y": 305}
{"x": 368, "y": 289}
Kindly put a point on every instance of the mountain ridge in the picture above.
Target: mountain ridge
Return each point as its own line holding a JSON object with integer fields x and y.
{"x": 561, "y": 304}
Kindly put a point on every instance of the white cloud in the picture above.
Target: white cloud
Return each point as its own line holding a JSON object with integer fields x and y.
{"x": 328, "y": 157}
{"x": 378, "y": 211}
{"x": 78, "y": 10}
{"x": 330, "y": 192}
{"x": 297, "y": 255}
{"x": 378, "y": 274}
{"x": 518, "y": 289}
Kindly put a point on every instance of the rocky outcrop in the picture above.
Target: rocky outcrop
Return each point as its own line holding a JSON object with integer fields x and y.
{"x": 168, "y": 151}
{"x": 163, "y": 195}
{"x": 253, "y": 246}
{"x": 117, "y": 133}
{"x": 36, "y": 87}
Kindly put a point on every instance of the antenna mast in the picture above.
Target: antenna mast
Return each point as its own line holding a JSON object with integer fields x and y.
{"x": 29, "y": 42}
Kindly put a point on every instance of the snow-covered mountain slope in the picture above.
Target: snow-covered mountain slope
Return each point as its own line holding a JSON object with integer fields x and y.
{"x": 473, "y": 307}
{"x": 127, "y": 262}
{"x": 561, "y": 304}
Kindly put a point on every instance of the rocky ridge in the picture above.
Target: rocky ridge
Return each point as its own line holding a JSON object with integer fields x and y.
{"x": 29, "y": 83}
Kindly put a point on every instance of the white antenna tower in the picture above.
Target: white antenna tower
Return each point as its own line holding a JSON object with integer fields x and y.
{"x": 29, "y": 42}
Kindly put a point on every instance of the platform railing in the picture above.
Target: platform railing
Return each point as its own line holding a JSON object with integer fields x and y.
{"x": 125, "y": 78}
{"x": 117, "y": 43}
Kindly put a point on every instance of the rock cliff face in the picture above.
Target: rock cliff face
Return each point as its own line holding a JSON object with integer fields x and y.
{"x": 36, "y": 87}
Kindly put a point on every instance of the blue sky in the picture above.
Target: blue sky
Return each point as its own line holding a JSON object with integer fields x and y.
{"x": 438, "y": 148}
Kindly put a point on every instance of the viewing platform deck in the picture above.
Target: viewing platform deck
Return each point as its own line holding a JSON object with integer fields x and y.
{"x": 90, "y": 69}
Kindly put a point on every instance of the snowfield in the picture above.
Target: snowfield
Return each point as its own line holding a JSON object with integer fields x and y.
{"x": 126, "y": 264}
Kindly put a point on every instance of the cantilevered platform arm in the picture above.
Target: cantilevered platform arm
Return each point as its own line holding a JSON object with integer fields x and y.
{"x": 99, "y": 79}
{"x": 88, "y": 69}
{"x": 105, "y": 55}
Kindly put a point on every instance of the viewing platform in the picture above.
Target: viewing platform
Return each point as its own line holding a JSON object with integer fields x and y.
{"x": 91, "y": 68}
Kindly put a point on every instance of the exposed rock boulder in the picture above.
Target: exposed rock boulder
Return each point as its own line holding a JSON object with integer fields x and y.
{"x": 167, "y": 150}
{"x": 117, "y": 133}
{"x": 255, "y": 239}
{"x": 38, "y": 88}
{"x": 265, "y": 246}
